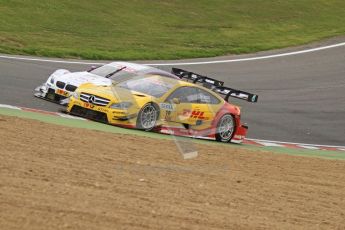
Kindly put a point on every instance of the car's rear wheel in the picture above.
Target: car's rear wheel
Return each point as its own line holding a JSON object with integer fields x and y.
{"x": 147, "y": 117}
{"x": 225, "y": 128}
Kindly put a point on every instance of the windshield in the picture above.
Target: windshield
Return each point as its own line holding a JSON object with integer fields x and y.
{"x": 119, "y": 73}
{"x": 123, "y": 75}
{"x": 129, "y": 73}
{"x": 104, "y": 70}
{"x": 153, "y": 86}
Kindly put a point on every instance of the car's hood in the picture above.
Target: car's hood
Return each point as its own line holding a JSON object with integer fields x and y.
{"x": 78, "y": 78}
{"x": 114, "y": 93}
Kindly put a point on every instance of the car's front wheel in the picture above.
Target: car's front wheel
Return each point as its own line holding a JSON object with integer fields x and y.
{"x": 147, "y": 117}
{"x": 225, "y": 128}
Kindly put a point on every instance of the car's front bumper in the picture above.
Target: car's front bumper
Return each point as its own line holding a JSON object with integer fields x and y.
{"x": 102, "y": 114}
{"x": 53, "y": 94}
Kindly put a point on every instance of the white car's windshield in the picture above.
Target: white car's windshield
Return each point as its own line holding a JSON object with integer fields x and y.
{"x": 105, "y": 70}
{"x": 153, "y": 85}
{"x": 121, "y": 73}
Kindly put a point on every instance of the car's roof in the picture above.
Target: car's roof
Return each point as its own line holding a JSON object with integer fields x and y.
{"x": 131, "y": 65}
{"x": 172, "y": 81}
{"x": 178, "y": 83}
{"x": 142, "y": 68}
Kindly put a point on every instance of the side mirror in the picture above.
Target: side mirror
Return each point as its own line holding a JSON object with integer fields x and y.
{"x": 93, "y": 67}
{"x": 176, "y": 100}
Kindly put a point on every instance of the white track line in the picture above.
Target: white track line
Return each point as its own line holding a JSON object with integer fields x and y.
{"x": 49, "y": 60}
{"x": 294, "y": 143}
{"x": 254, "y": 58}
{"x": 269, "y": 144}
{"x": 309, "y": 147}
{"x": 185, "y": 63}
{"x": 9, "y": 107}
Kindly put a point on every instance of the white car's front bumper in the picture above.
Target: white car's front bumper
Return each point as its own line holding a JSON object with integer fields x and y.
{"x": 49, "y": 92}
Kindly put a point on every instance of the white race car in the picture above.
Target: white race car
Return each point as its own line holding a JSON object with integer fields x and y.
{"x": 62, "y": 82}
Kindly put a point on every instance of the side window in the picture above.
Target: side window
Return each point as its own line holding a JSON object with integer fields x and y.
{"x": 185, "y": 94}
{"x": 205, "y": 97}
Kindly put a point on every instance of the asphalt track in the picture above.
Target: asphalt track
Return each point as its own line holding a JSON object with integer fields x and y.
{"x": 301, "y": 97}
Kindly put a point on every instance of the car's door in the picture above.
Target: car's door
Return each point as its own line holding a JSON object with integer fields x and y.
{"x": 208, "y": 105}
{"x": 189, "y": 106}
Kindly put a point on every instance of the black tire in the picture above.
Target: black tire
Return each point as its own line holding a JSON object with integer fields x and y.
{"x": 225, "y": 128}
{"x": 143, "y": 121}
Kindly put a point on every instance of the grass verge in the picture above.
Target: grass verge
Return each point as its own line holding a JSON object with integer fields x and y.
{"x": 113, "y": 129}
{"x": 128, "y": 30}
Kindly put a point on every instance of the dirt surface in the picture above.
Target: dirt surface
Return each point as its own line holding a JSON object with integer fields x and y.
{"x": 54, "y": 177}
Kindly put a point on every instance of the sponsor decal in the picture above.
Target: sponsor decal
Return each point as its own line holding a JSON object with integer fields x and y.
{"x": 166, "y": 106}
{"x": 183, "y": 131}
{"x": 168, "y": 116}
{"x": 94, "y": 107}
{"x": 88, "y": 105}
{"x": 62, "y": 92}
{"x": 205, "y": 98}
{"x": 198, "y": 115}
{"x": 118, "y": 112}
{"x": 239, "y": 137}
{"x": 101, "y": 109}
{"x": 195, "y": 114}
{"x": 167, "y": 130}
{"x": 186, "y": 112}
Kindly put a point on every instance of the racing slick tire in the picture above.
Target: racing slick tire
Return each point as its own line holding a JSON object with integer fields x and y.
{"x": 225, "y": 128}
{"x": 147, "y": 117}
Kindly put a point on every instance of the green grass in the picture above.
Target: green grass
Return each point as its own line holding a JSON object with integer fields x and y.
{"x": 166, "y": 29}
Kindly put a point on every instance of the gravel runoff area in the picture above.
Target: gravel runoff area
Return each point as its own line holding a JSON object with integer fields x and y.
{"x": 55, "y": 177}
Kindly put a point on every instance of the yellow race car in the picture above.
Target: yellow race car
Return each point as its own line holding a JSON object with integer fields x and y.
{"x": 167, "y": 105}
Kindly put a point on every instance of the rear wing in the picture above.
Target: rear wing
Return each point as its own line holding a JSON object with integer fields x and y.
{"x": 215, "y": 85}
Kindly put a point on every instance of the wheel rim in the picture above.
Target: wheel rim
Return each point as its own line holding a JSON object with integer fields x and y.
{"x": 226, "y": 127}
{"x": 148, "y": 117}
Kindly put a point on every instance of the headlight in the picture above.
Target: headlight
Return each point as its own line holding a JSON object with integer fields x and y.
{"x": 75, "y": 95}
{"x": 121, "y": 105}
{"x": 52, "y": 80}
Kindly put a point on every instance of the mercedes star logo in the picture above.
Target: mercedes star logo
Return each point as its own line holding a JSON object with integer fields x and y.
{"x": 92, "y": 99}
